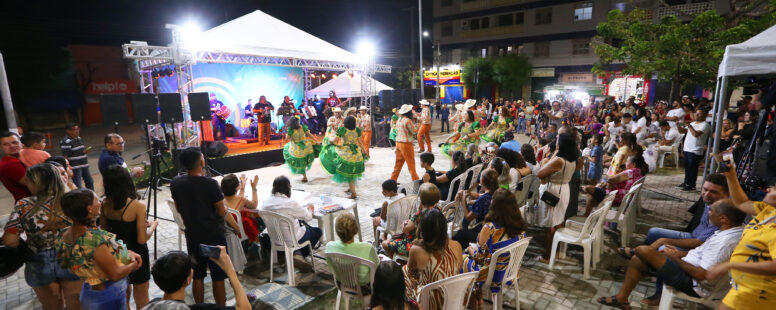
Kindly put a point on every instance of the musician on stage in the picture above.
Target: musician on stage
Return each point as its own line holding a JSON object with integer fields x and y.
{"x": 320, "y": 106}
{"x": 309, "y": 116}
{"x": 365, "y": 123}
{"x": 333, "y": 101}
{"x": 216, "y": 114}
{"x": 405, "y": 136}
{"x": 425, "y": 126}
{"x": 263, "y": 110}
{"x": 287, "y": 110}
{"x": 248, "y": 123}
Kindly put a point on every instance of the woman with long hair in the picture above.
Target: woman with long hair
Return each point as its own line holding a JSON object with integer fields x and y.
{"x": 501, "y": 124}
{"x": 504, "y": 225}
{"x": 40, "y": 218}
{"x": 344, "y": 157}
{"x": 555, "y": 175}
{"x": 527, "y": 151}
{"x": 458, "y": 161}
{"x": 124, "y": 215}
{"x": 390, "y": 292}
{"x": 298, "y": 152}
{"x": 627, "y": 146}
{"x": 635, "y": 169}
{"x": 466, "y": 133}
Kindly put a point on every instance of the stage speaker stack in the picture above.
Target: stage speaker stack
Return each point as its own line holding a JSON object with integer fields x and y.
{"x": 381, "y": 132}
{"x": 386, "y": 99}
{"x": 144, "y": 108}
{"x": 199, "y": 105}
{"x": 415, "y": 96}
{"x": 171, "y": 108}
{"x": 407, "y": 96}
{"x": 215, "y": 148}
{"x": 114, "y": 109}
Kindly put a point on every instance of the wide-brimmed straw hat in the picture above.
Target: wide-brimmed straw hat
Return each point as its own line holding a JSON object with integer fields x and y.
{"x": 363, "y": 107}
{"x": 423, "y": 102}
{"x": 459, "y": 106}
{"x": 469, "y": 103}
{"x": 405, "y": 108}
{"x": 336, "y": 110}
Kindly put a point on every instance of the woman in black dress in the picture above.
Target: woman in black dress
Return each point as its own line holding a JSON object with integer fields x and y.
{"x": 124, "y": 215}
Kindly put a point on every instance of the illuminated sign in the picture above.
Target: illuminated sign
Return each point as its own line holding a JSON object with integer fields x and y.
{"x": 446, "y": 77}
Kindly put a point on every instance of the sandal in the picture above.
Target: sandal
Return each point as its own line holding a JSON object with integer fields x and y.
{"x": 613, "y": 302}
{"x": 651, "y": 301}
{"x": 626, "y": 253}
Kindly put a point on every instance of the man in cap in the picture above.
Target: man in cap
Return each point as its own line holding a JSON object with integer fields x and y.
{"x": 425, "y": 126}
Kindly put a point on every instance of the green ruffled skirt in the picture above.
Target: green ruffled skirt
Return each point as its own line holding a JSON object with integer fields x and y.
{"x": 299, "y": 158}
{"x": 459, "y": 145}
{"x": 344, "y": 163}
{"x": 392, "y": 135}
{"x": 493, "y": 135}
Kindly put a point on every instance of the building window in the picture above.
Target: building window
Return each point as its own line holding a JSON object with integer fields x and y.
{"x": 484, "y": 52}
{"x": 469, "y": 0}
{"x": 447, "y": 29}
{"x": 485, "y": 23}
{"x": 474, "y": 52}
{"x": 447, "y": 2}
{"x": 580, "y": 46}
{"x": 542, "y": 49}
{"x": 583, "y": 11}
{"x": 619, "y": 6}
{"x": 519, "y": 18}
{"x": 509, "y": 49}
{"x": 446, "y": 57}
{"x": 544, "y": 16}
{"x": 474, "y": 24}
{"x": 506, "y": 20}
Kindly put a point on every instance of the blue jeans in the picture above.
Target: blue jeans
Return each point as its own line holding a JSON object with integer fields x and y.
{"x": 42, "y": 269}
{"x": 83, "y": 174}
{"x": 520, "y": 125}
{"x": 655, "y": 233}
{"x": 691, "y": 163}
{"x": 113, "y": 296}
{"x": 312, "y": 234}
{"x": 445, "y": 122}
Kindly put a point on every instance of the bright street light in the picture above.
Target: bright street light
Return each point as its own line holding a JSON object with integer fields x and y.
{"x": 425, "y": 34}
{"x": 366, "y": 49}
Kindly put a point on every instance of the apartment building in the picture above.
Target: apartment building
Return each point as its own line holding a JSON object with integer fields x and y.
{"x": 555, "y": 35}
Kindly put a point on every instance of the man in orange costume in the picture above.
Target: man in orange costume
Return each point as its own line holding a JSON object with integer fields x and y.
{"x": 405, "y": 134}
{"x": 365, "y": 123}
{"x": 425, "y": 126}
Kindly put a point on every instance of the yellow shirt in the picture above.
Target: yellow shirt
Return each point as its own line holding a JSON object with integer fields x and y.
{"x": 758, "y": 243}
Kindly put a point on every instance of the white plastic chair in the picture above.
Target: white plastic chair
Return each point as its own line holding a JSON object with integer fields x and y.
{"x": 638, "y": 201}
{"x": 578, "y": 222}
{"x": 712, "y": 300}
{"x": 516, "y": 251}
{"x": 522, "y": 188}
{"x": 411, "y": 188}
{"x": 584, "y": 237}
{"x": 455, "y": 291}
{"x": 178, "y": 220}
{"x": 472, "y": 173}
{"x": 459, "y": 211}
{"x": 396, "y": 212}
{"x": 456, "y": 184}
{"x": 239, "y": 221}
{"x": 674, "y": 154}
{"x": 345, "y": 269}
{"x": 624, "y": 216}
{"x": 278, "y": 226}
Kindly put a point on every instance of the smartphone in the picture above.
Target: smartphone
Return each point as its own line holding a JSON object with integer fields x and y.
{"x": 209, "y": 251}
{"x": 88, "y": 148}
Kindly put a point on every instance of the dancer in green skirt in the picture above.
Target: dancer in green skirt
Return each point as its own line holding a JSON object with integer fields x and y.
{"x": 344, "y": 157}
{"x": 467, "y": 133}
{"x": 298, "y": 152}
{"x": 501, "y": 124}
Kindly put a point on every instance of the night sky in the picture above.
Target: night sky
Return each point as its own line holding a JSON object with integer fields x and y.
{"x": 26, "y": 24}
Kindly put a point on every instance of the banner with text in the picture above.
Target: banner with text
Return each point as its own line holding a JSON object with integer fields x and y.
{"x": 446, "y": 77}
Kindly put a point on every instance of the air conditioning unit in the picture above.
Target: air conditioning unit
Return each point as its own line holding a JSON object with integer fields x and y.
{"x": 465, "y": 25}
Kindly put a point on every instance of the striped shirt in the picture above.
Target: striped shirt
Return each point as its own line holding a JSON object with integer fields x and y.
{"x": 364, "y": 122}
{"x": 425, "y": 116}
{"x": 406, "y": 130}
{"x": 73, "y": 150}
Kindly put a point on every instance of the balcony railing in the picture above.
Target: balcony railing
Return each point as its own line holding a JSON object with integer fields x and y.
{"x": 691, "y": 8}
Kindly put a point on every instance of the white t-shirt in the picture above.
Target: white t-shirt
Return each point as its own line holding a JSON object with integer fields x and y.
{"x": 514, "y": 176}
{"x": 675, "y": 113}
{"x": 641, "y": 123}
{"x": 614, "y": 131}
{"x": 695, "y": 144}
{"x": 673, "y": 135}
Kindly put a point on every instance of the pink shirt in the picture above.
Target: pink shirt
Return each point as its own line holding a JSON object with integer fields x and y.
{"x": 31, "y": 157}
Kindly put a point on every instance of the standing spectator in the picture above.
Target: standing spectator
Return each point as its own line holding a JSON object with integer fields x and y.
{"x": 596, "y": 158}
{"x": 347, "y": 228}
{"x": 33, "y": 153}
{"x": 200, "y": 202}
{"x": 111, "y": 155}
{"x": 445, "y": 118}
{"x": 694, "y": 143}
{"x": 75, "y": 151}
{"x": 95, "y": 255}
{"x": 390, "y": 291}
{"x": 11, "y": 168}
{"x": 281, "y": 202}
{"x": 40, "y": 218}
{"x": 555, "y": 175}
{"x": 676, "y": 114}
{"x": 124, "y": 215}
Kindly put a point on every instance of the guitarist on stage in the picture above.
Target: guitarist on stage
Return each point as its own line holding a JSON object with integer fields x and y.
{"x": 218, "y": 112}
{"x": 263, "y": 110}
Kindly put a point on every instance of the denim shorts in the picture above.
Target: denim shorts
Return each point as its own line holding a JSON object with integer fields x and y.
{"x": 112, "y": 296}
{"x": 42, "y": 269}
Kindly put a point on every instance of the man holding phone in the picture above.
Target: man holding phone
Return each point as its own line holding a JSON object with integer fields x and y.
{"x": 75, "y": 151}
{"x": 199, "y": 200}
{"x": 694, "y": 141}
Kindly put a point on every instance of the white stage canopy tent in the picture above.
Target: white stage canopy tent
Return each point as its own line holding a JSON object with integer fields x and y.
{"x": 347, "y": 88}
{"x": 755, "y": 56}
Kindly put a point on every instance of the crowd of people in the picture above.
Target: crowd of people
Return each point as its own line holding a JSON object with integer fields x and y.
{"x": 84, "y": 250}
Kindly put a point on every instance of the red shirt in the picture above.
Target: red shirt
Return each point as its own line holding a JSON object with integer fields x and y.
{"x": 11, "y": 172}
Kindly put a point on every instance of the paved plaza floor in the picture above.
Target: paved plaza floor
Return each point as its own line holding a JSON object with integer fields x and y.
{"x": 540, "y": 287}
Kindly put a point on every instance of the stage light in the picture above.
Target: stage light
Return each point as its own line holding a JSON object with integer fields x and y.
{"x": 425, "y": 34}
{"x": 323, "y": 76}
{"x": 190, "y": 34}
{"x": 312, "y": 75}
{"x": 350, "y": 75}
{"x": 334, "y": 76}
{"x": 366, "y": 49}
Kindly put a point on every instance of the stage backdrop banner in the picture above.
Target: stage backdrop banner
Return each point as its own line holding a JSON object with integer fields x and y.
{"x": 235, "y": 84}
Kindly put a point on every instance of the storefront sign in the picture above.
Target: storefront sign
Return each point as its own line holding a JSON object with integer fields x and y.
{"x": 577, "y": 78}
{"x": 543, "y": 72}
{"x": 446, "y": 77}
{"x": 111, "y": 87}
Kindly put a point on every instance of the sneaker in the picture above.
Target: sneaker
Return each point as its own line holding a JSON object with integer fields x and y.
{"x": 681, "y": 186}
{"x": 688, "y": 189}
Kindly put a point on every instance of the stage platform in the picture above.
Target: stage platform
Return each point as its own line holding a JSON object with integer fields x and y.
{"x": 247, "y": 155}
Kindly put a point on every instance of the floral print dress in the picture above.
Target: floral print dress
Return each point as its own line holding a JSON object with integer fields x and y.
{"x": 497, "y": 133}
{"x": 463, "y": 141}
{"x": 345, "y": 162}
{"x": 298, "y": 152}
{"x": 79, "y": 256}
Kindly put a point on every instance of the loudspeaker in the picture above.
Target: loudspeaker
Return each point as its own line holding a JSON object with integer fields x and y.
{"x": 144, "y": 107}
{"x": 381, "y": 135}
{"x": 416, "y": 97}
{"x": 199, "y": 105}
{"x": 114, "y": 109}
{"x": 170, "y": 107}
{"x": 406, "y": 96}
{"x": 386, "y": 99}
{"x": 215, "y": 148}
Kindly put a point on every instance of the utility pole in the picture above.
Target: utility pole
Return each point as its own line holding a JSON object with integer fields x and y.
{"x": 412, "y": 43}
{"x": 438, "y": 61}
{"x": 420, "y": 45}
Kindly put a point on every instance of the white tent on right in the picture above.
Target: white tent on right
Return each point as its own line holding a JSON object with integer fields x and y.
{"x": 346, "y": 87}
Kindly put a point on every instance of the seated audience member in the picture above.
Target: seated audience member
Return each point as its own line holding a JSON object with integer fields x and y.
{"x": 173, "y": 273}
{"x": 473, "y": 155}
{"x": 489, "y": 152}
{"x": 400, "y": 244}
{"x": 95, "y": 255}
{"x": 669, "y": 137}
{"x": 504, "y": 180}
{"x": 11, "y": 168}
{"x": 527, "y": 151}
{"x": 636, "y": 168}
{"x": 124, "y": 215}
{"x": 391, "y": 194}
{"x": 751, "y": 267}
{"x": 612, "y": 130}
{"x": 200, "y": 202}
{"x": 687, "y": 272}
{"x": 517, "y": 165}
{"x": 390, "y": 292}
{"x": 458, "y": 162}
{"x": 477, "y": 205}
{"x": 234, "y": 198}
{"x": 346, "y": 228}
{"x": 40, "y": 218}
{"x": 626, "y": 147}
{"x": 281, "y": 202}
{"x": 65, "y": 170}
{"x": 111, "y": 155}
{"x": 503, "y": 226}
{"x": 33, "y": 153}
{"x": 510, "y": 142}
{"x": 426, "y": 162}
{"x": 433, "y": 256}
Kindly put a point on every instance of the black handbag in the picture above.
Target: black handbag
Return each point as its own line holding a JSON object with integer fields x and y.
{"x": 11, "y": 259}
{"x": 549, "y": 198}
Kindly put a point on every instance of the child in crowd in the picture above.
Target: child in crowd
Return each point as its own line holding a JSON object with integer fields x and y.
{"x": 391, "y": 194}
{"x": 596, "y": 158}
{"x": 33, "y": 153}
{"x": 400, "y": 243}
{"x": 426, "y": 160}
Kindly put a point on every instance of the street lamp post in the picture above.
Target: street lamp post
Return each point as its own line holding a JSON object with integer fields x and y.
{"x": 420, "y": 46}
{"x": 437, "y": 61}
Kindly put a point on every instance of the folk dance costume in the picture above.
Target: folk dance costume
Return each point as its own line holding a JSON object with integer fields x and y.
{"x": 499, "y": 126}
{"x": 405, "y": 135}
{"x": 298, "y": 152}
{"x": 465, "y": 135}
{"x": 394, "y": 121}
{"x": 364, "y": 121}
{"x": 345, "y": 162}
{"x": 425, "y": 126}
{"x": 334, "y": 123}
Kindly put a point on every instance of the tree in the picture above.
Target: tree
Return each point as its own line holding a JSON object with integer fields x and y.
{"x": 511, "y": 72}
{"x": 477, "y": 74}
{"x": 403, "y": 78}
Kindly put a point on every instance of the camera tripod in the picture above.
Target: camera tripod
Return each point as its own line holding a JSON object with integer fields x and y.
{"x": 155, "y": 180}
